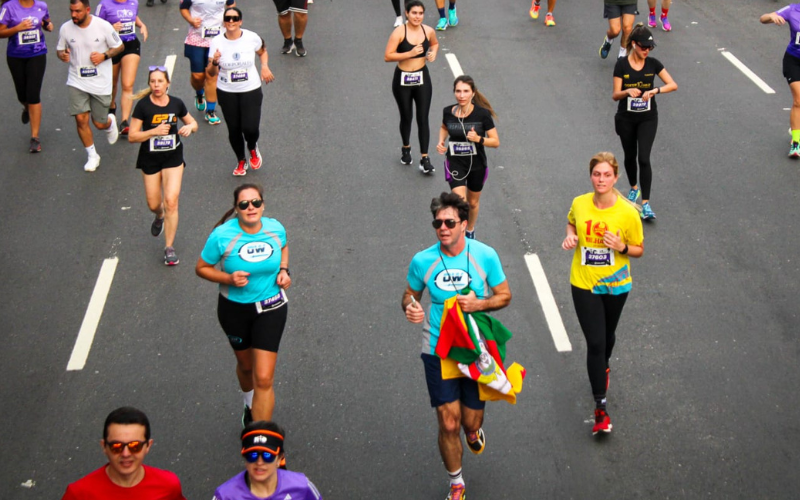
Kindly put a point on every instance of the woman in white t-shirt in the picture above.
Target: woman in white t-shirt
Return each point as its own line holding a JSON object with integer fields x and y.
{"x": 232, "y": 64}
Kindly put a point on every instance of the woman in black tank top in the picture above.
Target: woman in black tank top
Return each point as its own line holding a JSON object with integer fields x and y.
{"x": 411, "y": 46}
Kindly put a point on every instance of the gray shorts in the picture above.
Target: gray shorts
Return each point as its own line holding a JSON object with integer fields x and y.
{"x": 82, "y": 102}
{"x": 611, "y": 11}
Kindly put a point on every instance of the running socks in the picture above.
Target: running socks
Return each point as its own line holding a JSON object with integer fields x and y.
{"x": 796, "y": 135}
{"x": 653, "y": 11}
{"x": 622, "y": 52}
{"x": 442, "y": 15}
{"x": 210, "y": 106}
{"x": 248, "y": 398}
{"x": 600, "y": 402}
{"x": 452, "y": 4}
{"x": 200, "y": 92}
{"x": 664, "y": 12}
{"x": 455, "y": 477}
{"x": 91, "y": 151}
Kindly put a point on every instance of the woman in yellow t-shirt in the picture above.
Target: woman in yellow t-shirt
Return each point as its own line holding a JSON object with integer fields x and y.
{"x": 605, "y": 230}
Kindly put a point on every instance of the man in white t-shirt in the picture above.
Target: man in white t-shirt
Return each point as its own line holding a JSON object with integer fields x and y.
{"x": 88, "y": 43}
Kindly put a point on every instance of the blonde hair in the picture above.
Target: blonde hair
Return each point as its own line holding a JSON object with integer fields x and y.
{"x": 147, "y": 91}
{"x": 608, "y": 157}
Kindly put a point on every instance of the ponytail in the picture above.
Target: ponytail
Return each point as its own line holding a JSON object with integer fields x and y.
{"x": 636, "y": 29}
{"x": 478, "y": 98}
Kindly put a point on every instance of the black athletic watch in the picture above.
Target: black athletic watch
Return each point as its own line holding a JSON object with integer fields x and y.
{"x": 285, "y": 269}
{"x": 624, "y": 251}
{"x": 482, "y": 141}
{"x": 105, "y": 56}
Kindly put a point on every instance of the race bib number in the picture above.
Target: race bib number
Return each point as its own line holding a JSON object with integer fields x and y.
{"x": 462, "y": 148}
{"x": 238, "y": 76}
{"x": 272, "y": 302}
{"x": 411, "y": 79}
{"x": 127, "y": 28}
{"x": 597, "y": 256}
{"x": 88, "y": 72}
{"x": 28, "y": 37}
{"x": 162, "y": 143}
{"x": 211, "y": 31}
{"x": 797, "y": 38}
{"x": 638, "y": 105}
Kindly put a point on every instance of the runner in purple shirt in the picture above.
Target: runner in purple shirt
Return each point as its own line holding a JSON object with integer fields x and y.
{"x": 791, "y": 66}
{"x": 23, "y": 22}
{"x": 265, "y": 476}
{"x": 124, "y": 16}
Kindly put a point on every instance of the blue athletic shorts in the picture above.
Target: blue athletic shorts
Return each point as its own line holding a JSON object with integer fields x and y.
{"x": 198, "y": 57}
{"x": 446, "y": 391}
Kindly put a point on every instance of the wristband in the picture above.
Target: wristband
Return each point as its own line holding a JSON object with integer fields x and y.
{"x": 105, "y": 56}
{"x": 624, "y": 251}
{"x": 285, "y": 269}
{"x": 214, "y": 63}
{"x": 481, "y": 141}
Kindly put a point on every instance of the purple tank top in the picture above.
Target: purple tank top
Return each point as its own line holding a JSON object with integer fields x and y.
{"x": 124, "y": 12}
{"x": 792, "y": 15}
{"x": 293, "y": 485}
{"x": 27, "y": 43}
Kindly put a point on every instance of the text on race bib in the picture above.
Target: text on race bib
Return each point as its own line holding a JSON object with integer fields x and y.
{"x": 411, "y": 79}
{"x": 462, "y": 148}
{"x": 638, "y": 105}
{"x": 127, "y": 28}
{"x": 210, "y": 31}
{"x": 238, "y": 75}
{"x": 597, "y": 256}
{"x": 161, "y": 143}
{"x": 88, "y": 71}
{"x": 28, "y": 37}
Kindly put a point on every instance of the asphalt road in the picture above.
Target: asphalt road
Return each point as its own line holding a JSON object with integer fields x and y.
{"x": 704, "y": 389}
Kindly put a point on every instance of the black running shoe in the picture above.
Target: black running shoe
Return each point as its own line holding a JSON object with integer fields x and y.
{"x": 299, "y": 50}
{"x": 157, "y": 227}
{"x": 124, "y": 127}
{"x": 247, "y": 416}
{"x": 287, "y": 46}
{"x": 36, "y": 146}
{"x": 405, "y": 159}
{"x": 425, "y": 165}
{"x": 26, "y": 117}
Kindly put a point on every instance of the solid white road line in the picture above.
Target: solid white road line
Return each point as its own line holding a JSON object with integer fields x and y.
{"x": 93, "y": 313}
{"x": 749, "y": 74}
{"x": 170, "y": 64}
{"x": 455, "y": 67}
{"x": 549, "y": 306}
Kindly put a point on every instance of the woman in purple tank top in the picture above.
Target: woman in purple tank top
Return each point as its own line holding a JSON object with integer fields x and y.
{"x": 791, "y": 66}
{"x": 22, "y": 22}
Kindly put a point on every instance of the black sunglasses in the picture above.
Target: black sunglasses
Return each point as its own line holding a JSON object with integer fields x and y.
{"x": 246, "y": 203}
{"x": 117, "y": 447}
{"x": 232, "y": 19}
{"x": 450, "y": 223}
{"x": 252, "y": 456}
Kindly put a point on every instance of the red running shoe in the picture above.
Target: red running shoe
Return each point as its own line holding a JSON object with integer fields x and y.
{"x": 255, "y": 158}
{"x": 241, "y": 169}
{"x": 602, "y": 422}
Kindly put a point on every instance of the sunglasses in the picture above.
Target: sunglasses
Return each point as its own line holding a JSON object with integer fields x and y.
{"x": 246, "y": 203}
{"x": 450, "y": 223}
{"x": 134, "y": 446}
{"x": 252, "y": 456}
{"x": 644, "y": 48}
{"x": 157, "y": 68}
{"x": 232, "y": 19}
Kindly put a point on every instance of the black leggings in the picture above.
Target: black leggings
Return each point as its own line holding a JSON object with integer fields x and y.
{"x": 396, "y": 5}
{"x": 242, "y": 113}
{"x": 598, "y": 314}
{"x": 637, "y": 135}
{"x": 28, "y": 74}
{"x": 421, "y": 95}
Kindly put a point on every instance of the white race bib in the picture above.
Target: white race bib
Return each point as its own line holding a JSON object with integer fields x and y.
{"x": 127, "y": 28}
{"x": 462, "y": 148}
{"x": 211, "y": 31}
{"x": 88, "y": 71}
{"x": 237, "y": 75}
{"x": 162, "y": 143}
{"x": 597, "y": 256}
{"x": 411, "y": 79}
{"x": 272, "y": 302}
{"x": 28, "y": 37}
{"x": 797, "y": 38}
{"x": 637, "y": 105}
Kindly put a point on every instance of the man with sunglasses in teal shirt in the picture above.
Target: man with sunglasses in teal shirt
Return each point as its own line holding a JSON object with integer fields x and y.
{"x": 446, "y": 268}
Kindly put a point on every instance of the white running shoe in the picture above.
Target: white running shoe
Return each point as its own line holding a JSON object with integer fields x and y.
{"x": 92, "y": 163}
{"x": 398, "y": 21}
{"x": 112, "y": 132}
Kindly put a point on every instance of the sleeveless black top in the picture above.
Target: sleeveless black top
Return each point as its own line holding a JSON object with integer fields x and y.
{"x": 405, "y": 45}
